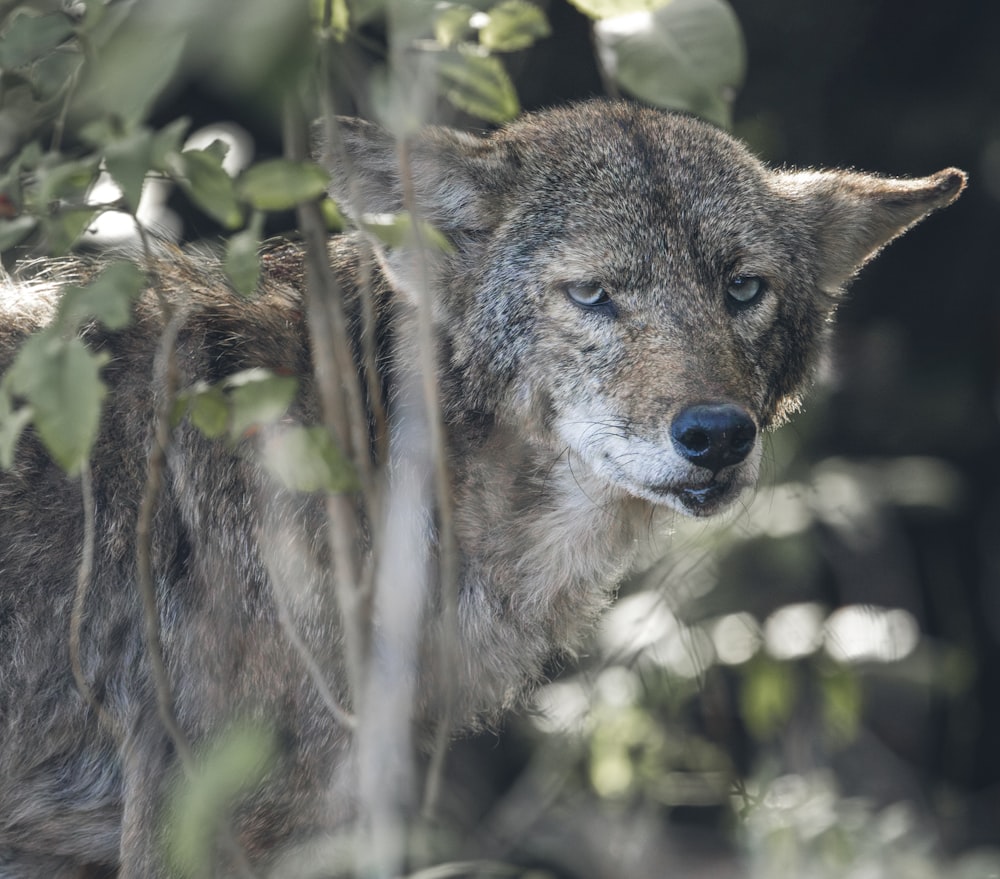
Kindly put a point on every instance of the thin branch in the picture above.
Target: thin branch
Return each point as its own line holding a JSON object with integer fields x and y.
{"x": 342, "y": 412}
{"x": 447, "y": 548}
{"x": 83, "y": 577}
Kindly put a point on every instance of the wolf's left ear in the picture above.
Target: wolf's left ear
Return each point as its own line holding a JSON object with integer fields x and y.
{"x": 852, "y": 216}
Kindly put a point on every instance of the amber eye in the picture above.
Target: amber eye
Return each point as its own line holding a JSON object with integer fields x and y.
{"x": 592, "y": 297}
{"x": 745, "y": 289}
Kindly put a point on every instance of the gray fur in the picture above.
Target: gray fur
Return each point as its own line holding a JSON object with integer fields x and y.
{"x": 558, "y": 427}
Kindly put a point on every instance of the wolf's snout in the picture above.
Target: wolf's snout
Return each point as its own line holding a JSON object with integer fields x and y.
{"x": 713, "y": 435}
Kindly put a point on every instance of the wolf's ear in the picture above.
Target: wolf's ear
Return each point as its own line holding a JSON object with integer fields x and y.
{"x": 458, "y": 179}
{"x": 852, "y": 216}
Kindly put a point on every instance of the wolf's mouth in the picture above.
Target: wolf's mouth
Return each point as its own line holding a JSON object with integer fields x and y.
{"x": 704, "y": 499}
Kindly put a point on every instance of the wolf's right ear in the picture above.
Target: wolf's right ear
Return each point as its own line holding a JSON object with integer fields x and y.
{"x": 850, "y": 216}
{"x": 458, "y": 179}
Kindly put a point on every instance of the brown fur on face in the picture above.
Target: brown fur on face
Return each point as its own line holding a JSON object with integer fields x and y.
{"x": 588, "y": 309}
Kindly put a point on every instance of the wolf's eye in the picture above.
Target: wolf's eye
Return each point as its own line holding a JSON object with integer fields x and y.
{"x": 744, "y": 289}
{"x": 591, "y": 296}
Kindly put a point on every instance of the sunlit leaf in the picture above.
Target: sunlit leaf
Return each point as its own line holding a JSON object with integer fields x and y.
{"x": 513, "y": 25}
{"x": 842, "y": 701}
{"x": 29, "y": 37}
{"x": 306, "y": 459}
{"x": 242, "y": 262}
{"x": 258, "y": 397}
{"x": 210, "y": 187}
{"x": 397, "y": 230}
{"x": 451, "y": 24}
{"x": 209, "y": 411}
{"x": 108, "y": 298}
{"x": 478, "y": 84}
{"x": 609, "y": 8}
{"x": 201, "y": 802}
{"x": 688, "y": 55}
{"x": 281, "y": 184}
{"x": 60, "y": 379}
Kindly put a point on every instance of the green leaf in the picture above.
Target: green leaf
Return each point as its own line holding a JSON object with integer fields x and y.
{"x": 59, "y": 180}
{"x": 396, "y": 230}
{"x": 451, "y": 25}
{"x": 130, "y": 72}
{"x": 257, "y": 396}
{"x": 201, "y": 175}
{"x": 610, "y": 8}
{"x": 13, "y": 232}
{"x": 12, "y": 422}
{"x": 767, "y": 696}
{"x": 306, "y": 459}
{"x": 108, "y": 298}
{"x": 128, "y": 160}
{"x": 64, "y": 228}
{"x": 477, "y": 83}
{"x": 842, "y": 703}
{"x": 242, "y": 263}
{"x": 200, "y": 803}
{"x": 281, "y": 184}
{"x": 208, "y": 410}
{"x": 167, "y": 142}
{"x": 688, "y": 55}
{"x": 513, "y": 25}
{"x": 60, "y": 380}
{"x": 30, "y": 37}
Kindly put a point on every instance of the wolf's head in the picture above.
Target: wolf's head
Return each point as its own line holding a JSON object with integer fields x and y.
{"x": 629, "y": 286}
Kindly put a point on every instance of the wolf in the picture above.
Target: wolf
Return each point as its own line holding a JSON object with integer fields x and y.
{"x": 628, "y": 300}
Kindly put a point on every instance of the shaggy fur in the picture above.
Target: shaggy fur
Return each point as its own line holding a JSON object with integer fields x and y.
{"x": 629, "y": 300}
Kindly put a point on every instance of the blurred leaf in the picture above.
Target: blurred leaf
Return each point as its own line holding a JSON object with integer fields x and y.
{"x": 396, "y": 230}
{"x": 209, "y": 411}
{"x": 108, "y": 298}
{"x": 167, "y": 141}
{"x": 451, "y": 24}
{"x": 65, "y": 179}
{"x": 12, "y": 422}
{"x": 242, "y": 263}
{"x": 201, "y": 175}
{"x": 128, "y": 160}
{"x": 306, "y": 459}
{"x": 842, "y": 700}
{"x": 281, "y": 184}
{"x": 688, "y": 55}
{"x": 767, "y": 696}
{"x": 29, "y": 37}
{"x": 60, "y": 379}
{"x": 13, "y": 232}
{"x": 64, "y": 228}
{"x": 513, "y": 25}
{"x": 609, "y": 8}
{"x": 478, "y": 84}
{"x": 201, "y": 803}
{"x": 257, "y": 396}
{"x": 130, "y": 72}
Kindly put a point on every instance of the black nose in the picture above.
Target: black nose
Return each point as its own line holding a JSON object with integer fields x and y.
{"x": 713, "y": 435}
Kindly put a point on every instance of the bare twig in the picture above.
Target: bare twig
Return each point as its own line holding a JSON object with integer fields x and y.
{"x": 343, "y": 415}
{"x": 83, "y": 576}
{"x": 447, "y": 548}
